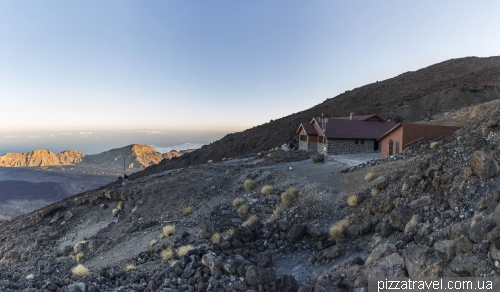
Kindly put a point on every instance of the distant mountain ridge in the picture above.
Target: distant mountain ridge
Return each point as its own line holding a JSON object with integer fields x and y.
{"x": 134, "y": 156}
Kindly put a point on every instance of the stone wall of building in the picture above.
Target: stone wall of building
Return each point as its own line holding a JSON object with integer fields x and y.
{"x": 320, "y": 148}
{"x": 303, "y": 145}
{"x": 338, "y": 147}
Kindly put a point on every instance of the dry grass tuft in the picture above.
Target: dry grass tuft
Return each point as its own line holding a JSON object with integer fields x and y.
{"x": 183, "y": 250}
{"x": 250, "y": 220}
{"x": 281, "y": 207}
{"x": 337, "y": 230}
{"x": 216, "y": 238}
{"x": 79, "y": 257}
{"x": 114, "y": 212}
{"x": 30, "y": 277}
{"x": 168, "y": 230}
{"x": 249, "y": 185}
{"x": 161, "y": 236}
{"x": 267, "y": 190}
{"x": 374, "y": 192}
{"x": 369, "y": 176}
{"x": 81, "y": 271}
{"x": 188, "y": 210}
{"x": 433, "y": 144}
{"x": 121, "y": 205}
{"x": 130, "y": 267}
{"x": 289, "y": 196}
{"x": 238, "y": 202}
{"x": 352, "y": 201}
{"x": 243, "y": 209}
{"x": 167, "y": 254}
{"x": 230, "y": 231}
{"x": 153, "y": 242}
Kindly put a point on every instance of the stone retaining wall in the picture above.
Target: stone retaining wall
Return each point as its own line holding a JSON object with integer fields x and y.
{"x": 338, "y": 147}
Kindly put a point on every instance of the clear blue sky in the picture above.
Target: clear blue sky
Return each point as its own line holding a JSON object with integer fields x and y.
{"x": 225, "y": 65}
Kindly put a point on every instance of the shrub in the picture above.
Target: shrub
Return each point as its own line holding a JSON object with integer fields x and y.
{"x": 188, "y": 210}
{"x": 121, "y": 205}
{"x": 433, "y": 144}
{"x": 227, "y": 172}
{"x": 167, "y": 254}
{"x": 80, "y": 270}
{"x": 375, "y": 192}
{"x": 369, "y": 176}
{"x": 352, "y": 201}
{"x": 243, "y": 209}
{"x": 200, "y": 234}
{"x": 337, "y": 230}
{"x": 183, "y": 250}
{"x": 79, "y": 257}
{"x": 153, "y": 242}
{"x": 281, "y": 207}
{"x": 230, "y": 231}
{"x": 267, "y": 190}
{"x": 114, "y": 212}
{"x": 130, "y": 267}
{"x": 216, "y": 238}
{"x": 168, "y": 230}
{"x": 238, "y": 202}
{"x": 249, "y": 185}
{"x": 289, "y": 195}
{"x": 250, "y": 220}
{"x": 161, "y": 236}
{"x": 30, "y": 277}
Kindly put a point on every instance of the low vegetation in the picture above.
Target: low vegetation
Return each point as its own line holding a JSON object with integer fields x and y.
{"x": 433, "y": 145}
{"x": 167, "y": 254}
{"x": 153, "y": 242}
{"x": 250, "y": 220}
{"x": 374, "y": 192}
{"x": 289, "y": 196}
{"x": 130, "y": 267}
{"x": 79, "y": 257}
{"x": 238, "y": 202}
{"x": 121, "y": 205}
{"x": 30, "y": 277}
{"x": 168, "y": 230}
{"x": 114, "y": 212}
{"x": 80, "y": 271}
{"x": 369, "y": 176}
{"x": 216, "y": 238}
{"x": 337, "y": 230}
{"x": 352, "y": 201}
{"x": 243, "y": 209}
{"x": 281, "y": 207}
{"x": 187, "y": 211}
{"x": 267, "y": 190}
{"x": 249, "y": 185}
{"x": 183, "y": 250}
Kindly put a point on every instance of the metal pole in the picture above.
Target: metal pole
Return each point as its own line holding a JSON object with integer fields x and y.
{"x": 123, "y": 166}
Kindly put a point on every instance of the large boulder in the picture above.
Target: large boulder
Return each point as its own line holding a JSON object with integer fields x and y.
{"x": 318, "y": 158}
{"x": 479, "y": 232}
{"x": 420, "y": 262}
{"x": 256, "y": 276}
{"x": 400, "y": 217}
{"x": 296, "y": 233}
{"x": 484, "y": 164}
{"x": 470, "y": 264}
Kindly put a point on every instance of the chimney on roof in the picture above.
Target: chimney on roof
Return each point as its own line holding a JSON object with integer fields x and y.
{"x": 352, "y": 116}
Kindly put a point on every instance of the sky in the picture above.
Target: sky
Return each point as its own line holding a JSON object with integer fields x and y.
{"x": 215, "y": 66}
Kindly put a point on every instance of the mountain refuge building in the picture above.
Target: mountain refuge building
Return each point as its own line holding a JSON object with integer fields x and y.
{"x": 343, "y": 135}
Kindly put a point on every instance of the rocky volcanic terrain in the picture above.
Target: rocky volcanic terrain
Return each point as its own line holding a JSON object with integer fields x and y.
{"x": 283, "y": 221}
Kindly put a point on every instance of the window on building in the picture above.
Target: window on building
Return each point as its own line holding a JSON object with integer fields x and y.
{"x": 303, "y": 138}
{"x": 356, "y": 141}
{"x": 321, "y": 139}
{"x": 397, "y": 147}
{"x": 390, "y": 146}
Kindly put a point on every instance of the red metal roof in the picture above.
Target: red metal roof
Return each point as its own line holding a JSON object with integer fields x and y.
{"x": 310, "y": 130}
{"x": 358, "y": 118}
{"x": 355, "y": 129}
